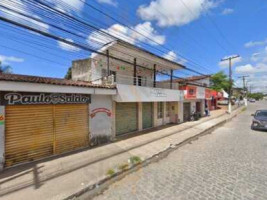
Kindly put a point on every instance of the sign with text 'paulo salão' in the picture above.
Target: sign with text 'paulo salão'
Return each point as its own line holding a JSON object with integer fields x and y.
{"x": 14, "y": 98}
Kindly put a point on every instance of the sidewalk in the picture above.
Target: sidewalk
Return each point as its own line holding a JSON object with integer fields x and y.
{"x": 59, "y": 178}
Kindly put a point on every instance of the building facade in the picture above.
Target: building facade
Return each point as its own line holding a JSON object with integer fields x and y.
{"x": 42, "y": 117}
{"x": 141, "y": 101}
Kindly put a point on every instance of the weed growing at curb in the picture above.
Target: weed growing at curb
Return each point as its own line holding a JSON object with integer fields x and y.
{"x": 110, "y": 172}
{"x": 244, "y": 109}
{"x": 123, "y": 166}
{"x": 135, "y": 160}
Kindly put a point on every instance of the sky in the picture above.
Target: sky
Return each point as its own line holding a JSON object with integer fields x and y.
{"x": 196, "y": 33}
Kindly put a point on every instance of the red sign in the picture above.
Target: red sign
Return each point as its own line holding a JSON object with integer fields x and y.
{"x": 98, "y": 110}
{"x": 208, "y": 93}
{"x": 191, "y": 92}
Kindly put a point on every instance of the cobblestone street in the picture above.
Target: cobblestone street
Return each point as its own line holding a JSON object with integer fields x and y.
{"x": 230, "y": 163}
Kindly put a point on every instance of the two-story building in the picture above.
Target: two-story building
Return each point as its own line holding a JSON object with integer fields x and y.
{"x": 197, "y": 95}
{"x": 141, "y": 101}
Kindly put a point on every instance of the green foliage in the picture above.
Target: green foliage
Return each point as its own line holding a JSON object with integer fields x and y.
{"x": 135, "y": 160}
{"x": 257, "y": 96}
{"x": 111, "y": 172}
{"x": 5, "y": 69}
{"x": 123, "y": 166}
{"x": 220, "y": 81}
{"x": 68, "y": 74}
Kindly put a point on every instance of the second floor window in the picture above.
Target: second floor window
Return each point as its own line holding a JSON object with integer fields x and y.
{"x": 139, "y": 82}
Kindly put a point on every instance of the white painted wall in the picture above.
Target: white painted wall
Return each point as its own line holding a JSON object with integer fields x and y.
{"x": 2, "y": 137}
{"x": 100, "y": 123}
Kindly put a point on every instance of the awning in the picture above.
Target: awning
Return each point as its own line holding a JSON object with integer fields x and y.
{"x": 131, "y": 93}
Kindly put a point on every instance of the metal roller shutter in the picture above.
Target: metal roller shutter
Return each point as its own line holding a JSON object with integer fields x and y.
{"x": 71, "y": 127}
{"x": 126, "y": 118}
{"x": 29, "y": 133}
{"x": 187, "y": 111}
{"x": 38, "y": 131}
{"x": 147, "y": 112}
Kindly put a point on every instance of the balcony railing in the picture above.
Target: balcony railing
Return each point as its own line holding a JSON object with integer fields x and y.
{"x": 138, "y": 81}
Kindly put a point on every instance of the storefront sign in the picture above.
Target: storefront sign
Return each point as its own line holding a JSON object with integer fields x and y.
{"x": 99, "y": 110}
{"x": 158, "y": 93}
{"x": 208, "y": 94}
{"x": 200, "y": 93}
{"x": 14, "y": 98}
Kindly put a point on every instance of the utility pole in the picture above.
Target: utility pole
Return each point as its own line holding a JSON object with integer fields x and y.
{"x": 230, "y": 80}
{"x": 244, "y": 88}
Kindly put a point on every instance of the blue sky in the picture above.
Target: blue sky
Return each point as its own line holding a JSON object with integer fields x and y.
{"x": 202, "y": 31}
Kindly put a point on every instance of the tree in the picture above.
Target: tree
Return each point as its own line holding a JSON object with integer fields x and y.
{"x": 220, "y": 81}
{"x": 68, "y": 74}
{"x": 257, "y": 96}
{"x": 5, "y": 69}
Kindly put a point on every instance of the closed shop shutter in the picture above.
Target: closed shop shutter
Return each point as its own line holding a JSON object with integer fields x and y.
{"x": 147, "y": 111}
{"x": 38, "y": 131}
{"x": 29, "y": 133}
{"x": 187, "y": 111}
{"x": 126, "y": 118}
{"x": 71, "y": 127}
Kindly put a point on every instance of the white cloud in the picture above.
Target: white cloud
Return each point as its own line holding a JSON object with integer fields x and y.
{"x": 110, "y": 2}
{"x": 227, "y": 11}
{"x": 67, "y": 47}
{"x": 7, "y": 59}
{"x": 255, "y": 57}
{"x": 174, "y": 13}
{"x": 225, "y": 63}
{"x": 250, "y": 69}
{"x": 171, "y": 55}
{"x": 21, "y": 7}
{"x": 68, "y": 5}
{"x": 255, "y": 43}
{"x": 132, "y": 35}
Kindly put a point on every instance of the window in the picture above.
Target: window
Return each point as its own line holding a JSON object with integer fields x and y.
{"x": 168, "y": 109}
{"x": 114, "y": 74}
{"x": 191, "y": 91}
{"x": 104, "y": 73}
{"x": 160, "y": 110}
{"x": 139, "y": 80}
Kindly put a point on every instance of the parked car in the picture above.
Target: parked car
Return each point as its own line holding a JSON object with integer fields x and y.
{"x": 259, "y": 121}
{"x": 252, "y": 100}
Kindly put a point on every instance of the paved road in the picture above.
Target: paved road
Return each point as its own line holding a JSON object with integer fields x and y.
{"x": 231, "y": 163}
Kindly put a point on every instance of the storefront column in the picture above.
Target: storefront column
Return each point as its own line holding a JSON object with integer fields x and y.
{"x": 2, "y": 137}
{"x": 164, "y": 113}
{"x": 155, "y": 114}
{"x": 113, "y": 115}
{"x": 140, "y": 116}
{"x": 181, "y": 111}
{"x": 202, "y": 108}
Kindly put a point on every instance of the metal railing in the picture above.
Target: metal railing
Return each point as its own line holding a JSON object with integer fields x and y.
{"x": 138, "y": 81}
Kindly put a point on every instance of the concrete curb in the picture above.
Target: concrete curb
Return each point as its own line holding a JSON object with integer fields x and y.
{"x": 95, "y": 189}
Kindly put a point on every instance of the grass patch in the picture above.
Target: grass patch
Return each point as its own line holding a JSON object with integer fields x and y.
{"x": 135, "y": 160}
{"x": 111, "y": 172}
{"x": 244, "y": 109}
{"x": 123, "y": 166}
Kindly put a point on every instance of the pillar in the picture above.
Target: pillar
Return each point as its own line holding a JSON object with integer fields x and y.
{"x": 181, "y": 111}
{"x": 164, "y": 113}
{"x": 2, "y": 137}
{"x": 155, "y": 114}
{"x": 113, "y": 129}
{"x": 140, "y": 116}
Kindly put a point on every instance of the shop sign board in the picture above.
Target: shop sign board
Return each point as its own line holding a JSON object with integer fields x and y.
{"x": 200, "y": 93}
{"x": 23, "y": 98}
